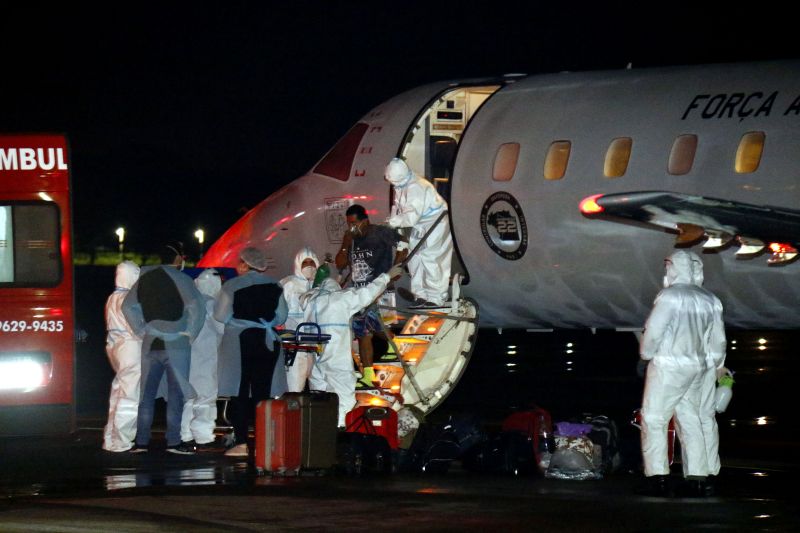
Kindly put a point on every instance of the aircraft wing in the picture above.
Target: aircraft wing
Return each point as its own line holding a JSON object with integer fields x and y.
{"x": 696, "y": 217}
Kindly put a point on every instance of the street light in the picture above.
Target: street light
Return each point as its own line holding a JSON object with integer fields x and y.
{"x": 121, "y": 235}
{"x": 200, "y": 236}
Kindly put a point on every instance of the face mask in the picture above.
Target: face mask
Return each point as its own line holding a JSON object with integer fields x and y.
{"x": 309, "y": 272}
{"x": 355, "y": 229}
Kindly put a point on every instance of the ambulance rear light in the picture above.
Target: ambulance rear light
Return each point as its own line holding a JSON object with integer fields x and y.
{"x": 25, "y": 372}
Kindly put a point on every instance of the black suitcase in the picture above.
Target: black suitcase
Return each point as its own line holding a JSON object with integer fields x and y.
{"x": 509, "y": 452}
{"x": 318, "y": 428}
{"x": 604, "y": 432}
{"x": 436, "y": 446}
{"x": 359, "y": 454}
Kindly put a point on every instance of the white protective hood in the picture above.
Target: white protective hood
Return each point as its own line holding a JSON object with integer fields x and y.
{"x": 127, "y": 274}
{"x": 208, "y": 282}
{"x": 683, "y": 267}
{"x": 398, "y": 173}
{"x": 302, "y": 255}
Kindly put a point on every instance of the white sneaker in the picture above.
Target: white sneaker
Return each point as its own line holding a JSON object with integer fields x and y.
{"x": 240, "y": 450}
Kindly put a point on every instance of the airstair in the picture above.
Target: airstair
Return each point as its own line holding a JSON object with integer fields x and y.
{"x": 431, "y": 349}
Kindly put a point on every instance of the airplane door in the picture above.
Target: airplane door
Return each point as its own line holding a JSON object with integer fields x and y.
{"x": 431, "y": 144}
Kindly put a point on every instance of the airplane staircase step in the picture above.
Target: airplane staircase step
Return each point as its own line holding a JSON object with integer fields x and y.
{"x": 433, "y": 347}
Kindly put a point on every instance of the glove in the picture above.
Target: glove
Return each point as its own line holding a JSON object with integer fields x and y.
{"x": 641, "y": 367}
{"x": 395, "y": 272}
{"x": 394, "y": 221}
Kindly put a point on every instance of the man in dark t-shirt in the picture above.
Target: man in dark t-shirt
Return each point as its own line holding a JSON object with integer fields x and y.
{"x": 369, "y": 251}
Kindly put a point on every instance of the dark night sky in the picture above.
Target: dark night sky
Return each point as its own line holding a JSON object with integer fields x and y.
{"x": 180, "y": 115}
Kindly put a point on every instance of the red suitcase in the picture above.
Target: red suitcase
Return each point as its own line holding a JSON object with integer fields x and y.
{"x": 537, "y": 426}
{"x": 381, "y": 421}
{"x": 278, "y": 436}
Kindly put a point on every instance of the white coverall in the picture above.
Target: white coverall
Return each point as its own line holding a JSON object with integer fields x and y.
{"x": 684, "y": 340}
{"x": 200, "y": 413}
{"x": 417, "y": 205}
{"x": 293, "y": 287}
{"x": 124, "y": 351}
{"x": 715, "y": 367}
{"x": 332, "y": 308}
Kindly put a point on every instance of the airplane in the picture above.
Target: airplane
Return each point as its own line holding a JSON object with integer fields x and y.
{"x": 567, "y": 190}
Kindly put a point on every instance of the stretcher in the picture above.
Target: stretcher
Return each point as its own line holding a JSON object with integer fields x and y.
{"x": 307, "y": 337}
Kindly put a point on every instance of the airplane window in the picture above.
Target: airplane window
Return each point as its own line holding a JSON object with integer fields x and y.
{"x": 339, "y": 160}
{"x": 555, "y": 164}
{"x": 681, "y": 158}
{"x": 617, "y": 157}
{"x": 748, "y": 156}
{"x": 505, "y": 162}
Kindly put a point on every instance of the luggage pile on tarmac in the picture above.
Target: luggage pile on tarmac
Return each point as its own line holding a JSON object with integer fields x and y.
{"x": 297, "y": 434}
{"x": 586, "y": 447}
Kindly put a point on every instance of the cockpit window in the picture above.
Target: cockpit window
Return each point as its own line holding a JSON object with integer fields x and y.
{"x": 338, "y": 162}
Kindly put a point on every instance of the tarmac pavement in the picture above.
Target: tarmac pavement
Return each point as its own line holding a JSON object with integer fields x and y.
{"x": 70, "y": 484}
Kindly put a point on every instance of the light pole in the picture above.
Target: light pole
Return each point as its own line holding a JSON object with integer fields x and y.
{"x": 201, "y": 236}
{"x": 121, "y": 235}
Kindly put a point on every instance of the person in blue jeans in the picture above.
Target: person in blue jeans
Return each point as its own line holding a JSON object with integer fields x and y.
{"x": 165, "y": 308}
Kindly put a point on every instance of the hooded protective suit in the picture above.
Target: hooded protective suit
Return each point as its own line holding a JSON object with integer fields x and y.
{"x": 293, "y": 287}
{"x": 417, "y": 205}
{"x": 684, "y": 340}
{"x": 200, "y": 414}
{"x": 715, "y": 363}
{"x": 166, "y": 345}
{"x": 331, "y": 308}
{"x": 124, "y": 351}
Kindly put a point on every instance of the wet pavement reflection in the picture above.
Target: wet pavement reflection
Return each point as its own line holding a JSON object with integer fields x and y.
{"x": 70, "y": 484}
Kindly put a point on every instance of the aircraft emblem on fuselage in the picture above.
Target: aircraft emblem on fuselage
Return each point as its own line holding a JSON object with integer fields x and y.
{"x": 503, "y": 226}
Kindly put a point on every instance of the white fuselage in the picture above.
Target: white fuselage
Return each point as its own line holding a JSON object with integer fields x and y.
{"x": 572, "y": 271}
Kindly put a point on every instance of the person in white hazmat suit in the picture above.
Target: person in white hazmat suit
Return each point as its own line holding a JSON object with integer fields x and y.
{"x": 417, "y": 205}
{"x": 715, "y": 368}
{"x": 124, "y": 349}
{"x": 200, "y": 413}
{"x": 684, "y": 342}
{"x": 332, "y": 307}
{"x": 306, "y": 263}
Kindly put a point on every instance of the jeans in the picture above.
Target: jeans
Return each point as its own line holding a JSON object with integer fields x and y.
{"x": 154, "y": 364}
